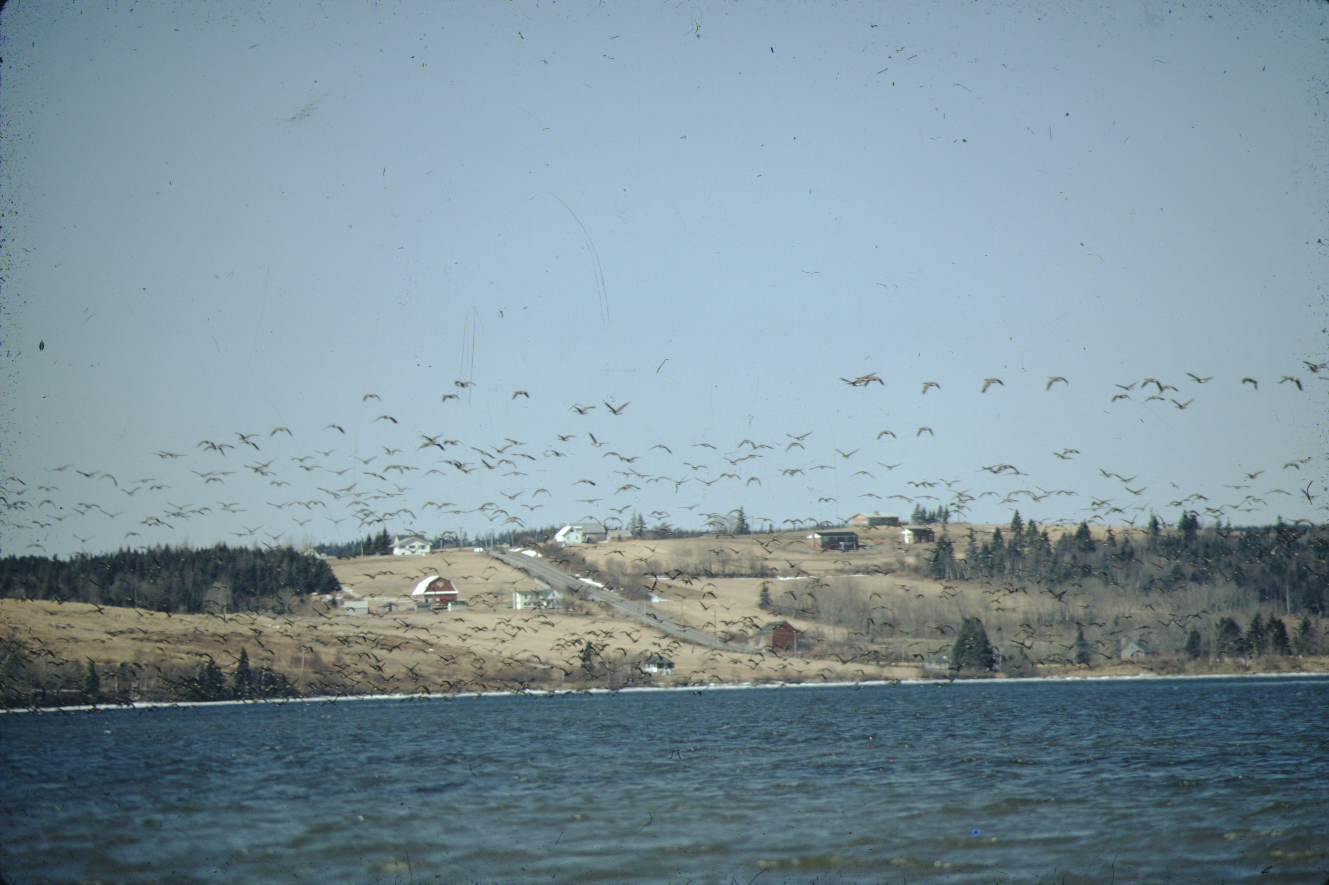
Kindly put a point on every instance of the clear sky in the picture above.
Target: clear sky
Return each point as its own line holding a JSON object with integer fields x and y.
{"x": 223, "y": 220}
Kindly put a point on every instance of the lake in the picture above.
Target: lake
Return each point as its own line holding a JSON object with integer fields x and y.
{"x": 1104, "y": 781}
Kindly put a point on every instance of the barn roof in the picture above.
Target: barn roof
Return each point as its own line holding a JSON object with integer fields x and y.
{"x": 421, "y": 587}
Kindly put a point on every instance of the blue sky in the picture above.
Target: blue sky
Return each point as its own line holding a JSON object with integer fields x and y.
{"x": 224, "y": 221}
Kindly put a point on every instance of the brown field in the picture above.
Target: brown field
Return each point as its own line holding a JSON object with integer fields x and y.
{"x": 861, "y": 619}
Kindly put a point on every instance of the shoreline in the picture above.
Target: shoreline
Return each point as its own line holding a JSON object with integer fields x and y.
{"x": 652, "y": 689}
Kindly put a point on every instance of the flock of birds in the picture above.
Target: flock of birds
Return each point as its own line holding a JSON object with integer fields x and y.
{"x": 330, "y": 484}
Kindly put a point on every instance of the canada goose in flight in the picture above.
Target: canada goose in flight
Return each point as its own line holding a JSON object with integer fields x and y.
{"x": 616, "y": 411}
{"x": 921, "y": 429}
{"x": 889, "y": 433}
{"x": 988, "y": 382}
{"x": 464, "y": 384}
{"x": 582, "y": 410}
{"x": 595, "y": 442}
{"x": 1053, "y": 380}
{"x": 1197, "y": 379}
{"x": 448, "y": 396}
{"x": 1296, "y": 381}
{"x": 1252, "y": 382}
{"x": 927, "y": 384}
{"x": 517, "y": 393}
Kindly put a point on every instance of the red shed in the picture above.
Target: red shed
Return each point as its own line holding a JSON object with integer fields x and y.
{"x": 435, "y": 590}
{"x": 778, "y": 634}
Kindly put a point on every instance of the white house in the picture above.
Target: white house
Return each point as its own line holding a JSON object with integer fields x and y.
{"x": 580, "y": 533}
{"x": 409, "y": 545}
{"x": 546, "y": 597}
{"x": 659, "y": 665}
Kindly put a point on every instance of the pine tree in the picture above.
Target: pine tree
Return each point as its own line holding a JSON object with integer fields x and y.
{"x": 92, "y": 684}
{"x": 741, "y": 523}
{"x": 1227, "y": 638}
{"x": 242, "y": 681}
{"x": 1083, "y": 651}
{"x": 943, "y": 559}
{"x": 1279, "y": 643}
{"x": 1084, "y": 539}
{"x": 210, "y": 684}
{"x": 1308, "y": 640}
{"x": 1257, "y": 637}
{"x": 972, "y": 649}
{"x": 764, "y": 597}
{"x": 1194, "y": 645}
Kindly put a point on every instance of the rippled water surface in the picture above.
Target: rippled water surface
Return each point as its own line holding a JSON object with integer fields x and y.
{"x": 1185, "y": 780}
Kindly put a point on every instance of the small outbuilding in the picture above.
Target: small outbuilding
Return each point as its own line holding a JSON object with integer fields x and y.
{"x": 917, "y": 535}
{"x": 778, "y": 634}
{"x": 833, "y": 540}
{"x": 435, "y": 591}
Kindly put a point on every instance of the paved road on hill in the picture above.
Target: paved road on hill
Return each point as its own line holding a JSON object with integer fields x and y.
{"x": 555, "y": 577}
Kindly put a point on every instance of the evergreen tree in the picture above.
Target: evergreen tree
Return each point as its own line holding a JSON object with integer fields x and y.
{"x": 764, "y": 597}
{"x": 972, "y": 649}
{"x": 1279, "y": 643}
{"x": 741, "y": 523}
{"x": 92, "y": 684}
{"x": 1194, "y": 645}
{"x": 1084, "y": 539}
{"x": 1308, "y": 639}
{"x": 943, "y": 559}
{"x": 1083, "y": 651}
{"x": 1257, "y": 637}
{"x": 1189, "y": 525}
{"x": 242, "y": 681}
{"x": 1017, "y": 526}
{"x": 1227, "y": 638}
{"x": 210, "y": 683}
{"x": 637, "y": 525}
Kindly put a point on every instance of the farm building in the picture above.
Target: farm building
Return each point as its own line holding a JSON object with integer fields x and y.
{"x": 545, "y": 597}
{"x": 833, "y": 540}
{"x": 917, "y": 535}
{"x": 659, "y": 665}
{"x": 580, "y": 533}
{"x": 873, "y": 519}
{"x": 355, "y": 606}
{"x": 1133, "y": 649}
{"x": 778, "y": 634}
{"x": 435, "y": 591}
{"x": 409, "y": 545}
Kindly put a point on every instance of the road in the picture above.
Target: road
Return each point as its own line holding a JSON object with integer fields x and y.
{"x": 560, "y": 580}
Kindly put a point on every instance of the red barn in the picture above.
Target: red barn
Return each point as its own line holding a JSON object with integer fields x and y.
{"x": 435, "y": 590}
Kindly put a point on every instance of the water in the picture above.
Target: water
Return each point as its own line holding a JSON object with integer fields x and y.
{"x": 1180, "y": 780}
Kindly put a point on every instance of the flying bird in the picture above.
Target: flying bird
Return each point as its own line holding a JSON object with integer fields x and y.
{"x": 988, "y": 382}
{"x": 927, "y": 384}
{"x": 1053, "y": 380}
{"x": 1252, "y": 382}
{"x": 616, "y": 411}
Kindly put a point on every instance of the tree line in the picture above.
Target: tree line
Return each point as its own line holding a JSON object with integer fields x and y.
{"x": 173, "y": 579}
{"x": 1283, "y": 564}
